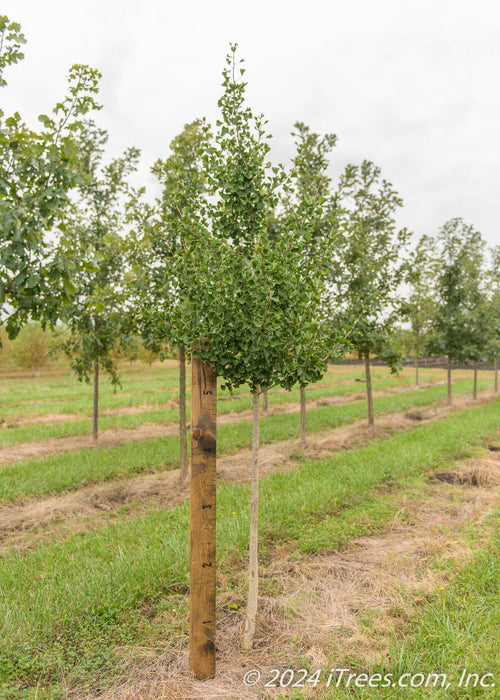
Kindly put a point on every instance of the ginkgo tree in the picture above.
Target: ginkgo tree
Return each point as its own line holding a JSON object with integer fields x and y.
{"x": 459, "y": 322}
{"x": 309, "y": 209}
{"x": 37, "y": 170}
{"x": 492, "y": 349}
{"x": 244, "y": 300}
{"x": 263, "y": 298}
{"x": 422, "y": 269}
{"x": 97, "y": 311}
{"x": 369, "y": 267}
{"x": 156, "y": 236}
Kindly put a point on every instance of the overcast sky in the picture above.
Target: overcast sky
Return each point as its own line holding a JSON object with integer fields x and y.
{"x": 413, "y": 86}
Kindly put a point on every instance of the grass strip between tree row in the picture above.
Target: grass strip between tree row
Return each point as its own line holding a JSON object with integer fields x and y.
{"x": 72, "y": 470}
{"x": 151, "y": 412}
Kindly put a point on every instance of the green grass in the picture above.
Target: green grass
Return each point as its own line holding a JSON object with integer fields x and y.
{"x": 152, "y": 400}
{"x": 40, "y": 431}
{"x": 71, "y": 470}
{"x": 454, "y": 633}
{"x": 460, "y": 628}
{"x": 153, "y": 389}
{"x": 25, "y": 397}
{"x": 66, "y": 606}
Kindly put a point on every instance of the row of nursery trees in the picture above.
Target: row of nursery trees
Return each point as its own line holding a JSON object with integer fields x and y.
{"x": 263, "y": 272}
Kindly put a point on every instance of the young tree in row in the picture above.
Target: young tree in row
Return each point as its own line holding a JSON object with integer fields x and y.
{"x": 481, "y": 329}
{"x": 368, "y": 269}
{"x": 97, "y": 312}
{"x": 265, "y": 325}
{"x": 458, "y": 326}
{"x": 245, "y": 302}
{"x": 492, "y": 350}
{"x": 157, "y": 238}
{"x": 310, "y": 211}
{"x": 37, "y": 169}
{"x": 420, "y": 306}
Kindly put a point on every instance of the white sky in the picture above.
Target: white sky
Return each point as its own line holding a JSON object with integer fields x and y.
{"x": 411, "y": 85}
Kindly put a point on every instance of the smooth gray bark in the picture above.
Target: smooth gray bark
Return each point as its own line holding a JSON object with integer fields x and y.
{"x": 253, "y": 567}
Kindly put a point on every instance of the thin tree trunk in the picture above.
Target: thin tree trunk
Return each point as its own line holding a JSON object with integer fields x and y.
{"x": 182, "y": 413}
{"x": 253, "y": 568}
{"x": 95, "y": 412}
{"x": 475, "y": 381}
{"x": 303, "y": 424}
{"x": 416, "y": 369}
{"x": 369, "y": 394}
{"x": 449, "y": 380}
{"x": 264, "y": 401}
{"x": 496, "y": 376}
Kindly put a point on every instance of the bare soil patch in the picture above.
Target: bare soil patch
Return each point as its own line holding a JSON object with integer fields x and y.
{"x": 51, "y": 418}
{"x": 44, "y": 419}
{"x": 107, "y": 438}
{"x": 327, "y": 609}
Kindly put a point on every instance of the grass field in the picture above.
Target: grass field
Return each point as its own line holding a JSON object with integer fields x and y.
{"x": 379, "y": 547}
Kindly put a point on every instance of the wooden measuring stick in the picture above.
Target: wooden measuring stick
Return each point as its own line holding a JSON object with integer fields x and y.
{"x": 203, "y": 520}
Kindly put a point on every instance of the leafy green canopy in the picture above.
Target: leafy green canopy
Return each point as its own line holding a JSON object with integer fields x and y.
{"x": 492, "y": 349}
{"x": 37, "y": 169}
{"x": 309, "y": 209}
{"x": 157, "y": 237}
{"x": 459, "y": 324}
{"x": 419, "y": 309}
{"x": 368, "y": 269}
{"x": 217, "y": 284}
{"x": 237, "y": 299}
{"x": 96, "y": 311}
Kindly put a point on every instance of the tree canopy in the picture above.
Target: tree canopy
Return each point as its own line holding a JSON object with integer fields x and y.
{"x": 37, "y": 170}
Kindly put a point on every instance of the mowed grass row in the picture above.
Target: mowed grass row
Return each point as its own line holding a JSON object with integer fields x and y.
{"x": 227, "y": 404}
{"x": 151, "y": 389}
{"x": 32, "y": 391}
{"x": 72, "y": 470}
{"x": 66, "y": 394}
{"x": 65, "y": 607}
{"x": 31, "y": 388}
{"x": 460, "y": 629}
{"x": 450, "y": 644}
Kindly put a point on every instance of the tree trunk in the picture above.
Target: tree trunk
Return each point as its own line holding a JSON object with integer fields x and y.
{"x": 302, "y": 418}
{"x": 253, "y": 568}
{"x": 369, "y": 394}
{"x": 449, "y": 380}
{"x": 264, "y": 401}
{"x": 416, "y": 369}
{"x": 203, "y": 520}
{"x": 95, "y": 412}
{"x": 496, "y": 376}
{"x": 182, "y": 413}
{"x": 475, "y": 381}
